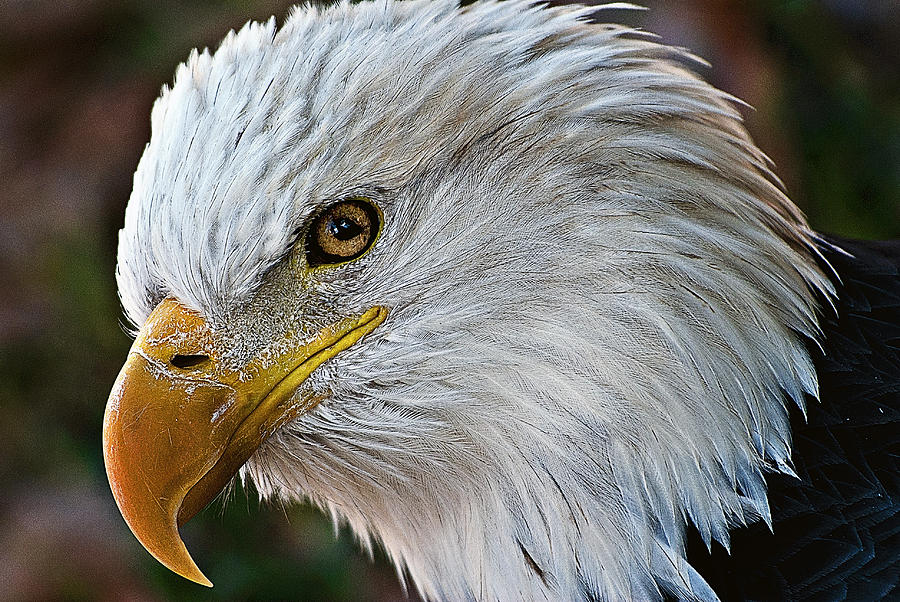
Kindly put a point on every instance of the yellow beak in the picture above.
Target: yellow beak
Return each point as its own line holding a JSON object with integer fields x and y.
{"x": 179, "y": 423}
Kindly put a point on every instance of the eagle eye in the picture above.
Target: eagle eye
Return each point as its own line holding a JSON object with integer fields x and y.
{"x": 342, "y": 232}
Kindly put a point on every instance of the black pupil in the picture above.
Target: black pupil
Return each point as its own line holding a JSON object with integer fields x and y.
{"x": 342, "y": 228}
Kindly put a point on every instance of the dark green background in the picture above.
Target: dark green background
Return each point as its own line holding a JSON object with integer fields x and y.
{"x": 77, "y": 80}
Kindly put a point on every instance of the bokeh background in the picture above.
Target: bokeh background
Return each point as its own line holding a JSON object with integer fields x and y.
{"x": 77, "y": 79}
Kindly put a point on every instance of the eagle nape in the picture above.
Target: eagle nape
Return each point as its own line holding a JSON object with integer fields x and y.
{"x": 512, "y": 294}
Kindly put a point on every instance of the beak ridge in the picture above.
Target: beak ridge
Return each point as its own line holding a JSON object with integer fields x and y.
{"x": 176, "y": 432}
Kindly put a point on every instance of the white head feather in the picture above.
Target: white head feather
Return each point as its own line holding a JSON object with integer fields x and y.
{"x": 599, "y": 294}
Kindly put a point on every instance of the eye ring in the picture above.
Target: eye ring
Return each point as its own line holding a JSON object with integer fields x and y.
{"x": 342, "y": 232}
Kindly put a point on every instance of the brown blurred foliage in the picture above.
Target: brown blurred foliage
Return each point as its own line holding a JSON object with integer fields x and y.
{"x": 77, "y": 79}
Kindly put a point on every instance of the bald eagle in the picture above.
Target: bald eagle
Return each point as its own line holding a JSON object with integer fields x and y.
{"x": 514, "y": 296}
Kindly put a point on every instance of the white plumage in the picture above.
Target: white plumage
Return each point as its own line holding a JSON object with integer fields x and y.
{"x": 599, "y": 293}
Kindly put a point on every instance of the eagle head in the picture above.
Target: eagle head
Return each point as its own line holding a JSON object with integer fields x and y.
{"x": 510, "y": 293}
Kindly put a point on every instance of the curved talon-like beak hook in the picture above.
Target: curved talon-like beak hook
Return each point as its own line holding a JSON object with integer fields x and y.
{"x": 179, "y": 423}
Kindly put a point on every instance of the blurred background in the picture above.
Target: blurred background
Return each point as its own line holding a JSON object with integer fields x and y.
{"x": 77, "y": 79}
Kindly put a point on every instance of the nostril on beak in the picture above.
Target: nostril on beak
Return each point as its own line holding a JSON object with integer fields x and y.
{"x": 186, "y": 362}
